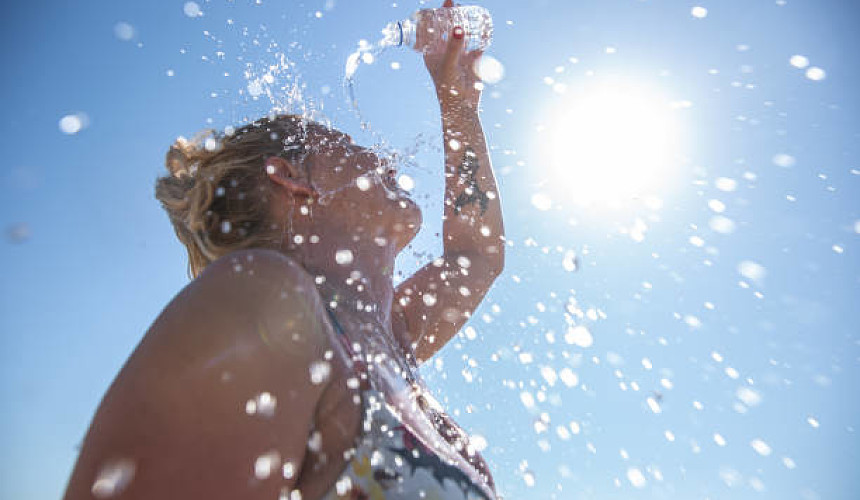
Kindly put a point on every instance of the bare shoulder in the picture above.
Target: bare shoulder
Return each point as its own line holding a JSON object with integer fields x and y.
{"x": 220, "y": 379}
{"x": 256, "y": 286}
{"x": 262, "y": 273}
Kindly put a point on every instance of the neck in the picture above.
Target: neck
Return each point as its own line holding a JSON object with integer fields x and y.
{"x": 354, "y": 278}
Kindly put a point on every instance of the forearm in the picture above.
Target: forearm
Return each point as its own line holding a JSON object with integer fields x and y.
{"x": 472, "y": 222}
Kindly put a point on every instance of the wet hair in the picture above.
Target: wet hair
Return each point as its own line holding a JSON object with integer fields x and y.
{"x": 217, "y": 194}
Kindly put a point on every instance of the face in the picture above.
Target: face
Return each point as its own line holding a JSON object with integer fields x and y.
{"x": 359, "y": 188}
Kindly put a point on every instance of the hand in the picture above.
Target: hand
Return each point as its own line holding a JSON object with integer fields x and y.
{"x": 458, "y": 87}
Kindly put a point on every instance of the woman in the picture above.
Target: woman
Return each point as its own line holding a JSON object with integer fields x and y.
{"x": 287, "y": 367}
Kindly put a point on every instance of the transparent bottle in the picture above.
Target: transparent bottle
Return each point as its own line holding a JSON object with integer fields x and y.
{"x": 428, "y": 29}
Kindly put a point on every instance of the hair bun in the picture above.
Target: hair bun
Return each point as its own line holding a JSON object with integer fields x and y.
{"x": 177, "y": 158}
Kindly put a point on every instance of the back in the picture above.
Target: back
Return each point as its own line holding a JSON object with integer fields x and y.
{"x": 217, "y": 395}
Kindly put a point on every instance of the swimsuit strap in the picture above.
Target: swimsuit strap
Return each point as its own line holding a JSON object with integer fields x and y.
{"x": 336, "y": 323}
{"x": 357, "y": 361}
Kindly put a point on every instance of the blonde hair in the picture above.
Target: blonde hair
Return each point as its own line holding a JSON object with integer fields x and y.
{"x": 217, "y": 194}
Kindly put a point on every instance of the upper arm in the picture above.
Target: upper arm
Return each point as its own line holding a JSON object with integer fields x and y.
{"x": 436, "y": 301}
{"x": 218, "y": 388}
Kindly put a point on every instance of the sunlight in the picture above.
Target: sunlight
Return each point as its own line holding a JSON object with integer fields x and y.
{"x": 609, "y": 143}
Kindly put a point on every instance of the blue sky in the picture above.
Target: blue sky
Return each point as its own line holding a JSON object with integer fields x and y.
{"x": 744, "y": 330}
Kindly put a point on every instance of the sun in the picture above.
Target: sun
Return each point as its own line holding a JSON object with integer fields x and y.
{"x": 610, "y": 144}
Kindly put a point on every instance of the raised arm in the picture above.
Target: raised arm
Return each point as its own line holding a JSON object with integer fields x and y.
{"x": 436, "y": 301}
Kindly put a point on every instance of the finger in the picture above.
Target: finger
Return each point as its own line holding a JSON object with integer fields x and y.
{"x": 474, "y": 56}
{"x": 452, "y": 54}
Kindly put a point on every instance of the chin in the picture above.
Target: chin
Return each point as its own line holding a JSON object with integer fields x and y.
{"x": 408, "y": 226}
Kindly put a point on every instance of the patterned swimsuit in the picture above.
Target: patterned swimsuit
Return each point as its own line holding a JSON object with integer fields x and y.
{"x": 389, "y": 461}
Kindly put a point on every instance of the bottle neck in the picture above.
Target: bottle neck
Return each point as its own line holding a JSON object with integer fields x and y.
{"x": 406, "y": 32}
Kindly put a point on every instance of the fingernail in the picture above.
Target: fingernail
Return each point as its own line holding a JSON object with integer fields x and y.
{"x": 459, "y": 33}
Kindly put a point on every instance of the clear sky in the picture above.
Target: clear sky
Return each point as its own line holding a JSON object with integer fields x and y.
{"x": 706, "y": 346}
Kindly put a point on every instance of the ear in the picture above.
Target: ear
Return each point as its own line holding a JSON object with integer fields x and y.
{"x": 289, "y": 175}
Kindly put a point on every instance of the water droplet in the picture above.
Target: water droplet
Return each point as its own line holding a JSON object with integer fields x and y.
{"x": 699, "y": 12}
{"x": 255, "y": 88}
{"x": 568, "y": 377}
{"x": 722, "y": 225}
{"x": 731, "y": 477}
{"x": 429, "y": 299}
{"x": 315, "y": 442}
{"x": 529, "y": 478}
{"x": 717, "y": 206}
{"x": 579, "y": 335}
{"x": 798, "y": 61}
{"x": 527, "y": 399}
{"x": 470, "y": 333}
{"x": 123, "y": 31}
{"x": 406, "y": 182}
{"x": 761, "y": 447}
{"x": 113, "y": 478}
{"x": 816, "y": 74}
{"x": 784, "y": 160}
{"x": 266, "y": 464}
{"x": 548, "y": 373}
{"x": 72, "y": 124}
{"x": 570, "y": 263}
{"x": 211, "y": 144}
{"x": 542, "y": 202}
{"x": 489, "y": 69}
{"x": 288, "y": 470}
{"x": 813, "y": 422}
{"x": 752, "y": 271}
{"x": 636, "y": 478}
{"x": 192, "y": 9}
{"x": 478, "y": 442}
{"x": 654, "y": 405}
{"x": 719, "y": 439}
{"x": 343, "y": 257}
{"x": 726, "y": 184}
{"x": 319, "y": 371}
{"x": 363, "y": 182}
{"x": 749, "y": 396}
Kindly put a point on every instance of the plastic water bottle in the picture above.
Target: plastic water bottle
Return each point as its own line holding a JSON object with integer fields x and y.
{"x": 428, "y": 29}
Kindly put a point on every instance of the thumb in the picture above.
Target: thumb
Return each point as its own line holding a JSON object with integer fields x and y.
{"x": 456, "y": 42}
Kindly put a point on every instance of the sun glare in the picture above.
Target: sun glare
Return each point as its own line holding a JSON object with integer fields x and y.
{"x": 609, "y": 144}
